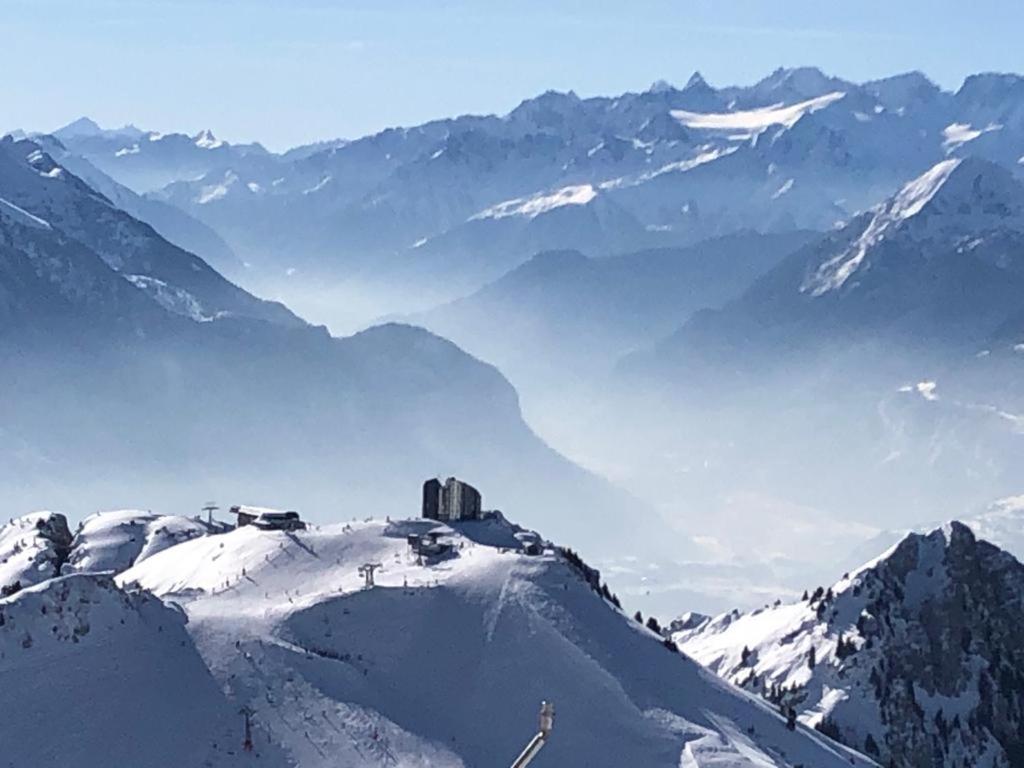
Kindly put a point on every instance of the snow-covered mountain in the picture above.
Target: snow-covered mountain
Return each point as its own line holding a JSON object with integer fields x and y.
{"x": 171, "y": 223}
{"x": 914, "y": 659}
{"x": 938, "y": 263}
{"x": 117, "y": 540}
{"x": 338, "y": 673}
{"x": 33, "y": 182}
{"x": 667, "y": 166}
{"x": 32, "y": 549}
{"x": 147, "y": 160}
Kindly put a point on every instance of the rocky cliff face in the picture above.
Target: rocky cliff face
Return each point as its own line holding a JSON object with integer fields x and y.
{"x": 917, "y": 659}
{"x": 32, "y": 549}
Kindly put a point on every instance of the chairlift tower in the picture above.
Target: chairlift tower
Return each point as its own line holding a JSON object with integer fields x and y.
{"x": 209, "y": 508}
{"x": 366, "y": 570}
{"x": 547, "y": 722}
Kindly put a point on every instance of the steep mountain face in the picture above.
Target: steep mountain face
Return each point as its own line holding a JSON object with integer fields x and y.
{"x": 937, "y": 263}
{"x": 103, "y": 676}
{"x": 494, "y": 240}
{"x": 30, "y": 180}
{"x": 32, "y": 549}
{"x": 916, "y": 658}
{"x": 171, "y": 223}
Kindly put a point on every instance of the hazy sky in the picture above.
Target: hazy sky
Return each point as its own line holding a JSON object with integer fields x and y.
{"x": 290, "y": 72}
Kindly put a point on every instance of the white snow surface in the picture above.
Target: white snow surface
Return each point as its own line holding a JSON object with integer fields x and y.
{"x": 116, "y": 540}
{"x": 173, "y": 299}
{"x": 94, "y": 676}
{"x": 957, "y": 134}
{"x": 534, "y": 206}
{"x": 21, "y": 216}
{"x": 27, "y": 554}
{"x": 910, "y": 200}
{"x": 445, "y": 663}
{"x": 754, "y": 121}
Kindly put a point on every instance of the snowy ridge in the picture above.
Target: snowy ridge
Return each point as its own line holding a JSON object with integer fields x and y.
{"x": 853, "y": 660}
{"x": 21, "y": 216}
{"x": 834, "y": 273}
{"x": 32, "y": 548}
{"x": 116, "y": 540}
{"x": 532, "y": 207}
{"x": 751, "y": 122}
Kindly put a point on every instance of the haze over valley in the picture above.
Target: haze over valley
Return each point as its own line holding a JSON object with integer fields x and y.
{"x": 721, "y": 385}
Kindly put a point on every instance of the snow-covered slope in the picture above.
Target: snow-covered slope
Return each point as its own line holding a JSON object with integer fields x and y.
{"x": 444, "y": 663}
{"x": 33, "y": 182}
{"x": 32, "y": 548}
{"x": 93, "y": 675}
{"x": 170, "y": 222}
{"x": 914, "y": 658}
{"x": 116, "y": 540}
{"x": 939, "y": 261}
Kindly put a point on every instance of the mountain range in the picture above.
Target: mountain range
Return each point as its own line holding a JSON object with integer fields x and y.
{"x": 451, "y": 204}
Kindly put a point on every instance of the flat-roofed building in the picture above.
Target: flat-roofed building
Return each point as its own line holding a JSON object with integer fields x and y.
{"x": 455, "y": 500}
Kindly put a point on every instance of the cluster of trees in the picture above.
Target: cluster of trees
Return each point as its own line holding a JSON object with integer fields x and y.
{"x": 590, "y": 575}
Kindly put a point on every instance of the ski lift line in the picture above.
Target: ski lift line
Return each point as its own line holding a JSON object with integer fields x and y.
{"x": 547, "y": 722}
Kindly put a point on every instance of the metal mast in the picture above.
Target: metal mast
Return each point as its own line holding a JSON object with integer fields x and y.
{"x": 366, "y": 571}
{"x": 209, "y": 509}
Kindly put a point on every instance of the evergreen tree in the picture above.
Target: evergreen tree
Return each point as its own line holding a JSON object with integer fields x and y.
{"x": 871, "y": 746}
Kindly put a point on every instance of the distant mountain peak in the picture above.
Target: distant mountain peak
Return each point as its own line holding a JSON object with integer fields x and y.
{"x": 696, "y": 81}
{"x": 83, "y": 126}
{"x": 990, "y": 84}
{"x": 661, "y": 86}
{"x": 207, "y": 140}
{"x": 87, "y": 128}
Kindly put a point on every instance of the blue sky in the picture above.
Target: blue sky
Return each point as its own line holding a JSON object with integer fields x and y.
{"x": 289, "y": 72}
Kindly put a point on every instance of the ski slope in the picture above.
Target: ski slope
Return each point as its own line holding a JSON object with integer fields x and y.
{"x": 445, "y": 663}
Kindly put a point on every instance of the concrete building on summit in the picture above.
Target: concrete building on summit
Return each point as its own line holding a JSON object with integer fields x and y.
{"x": 453, "y": 501}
